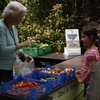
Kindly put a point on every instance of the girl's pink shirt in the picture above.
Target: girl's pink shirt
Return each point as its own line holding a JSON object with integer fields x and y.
{"x": 90, "y": 54}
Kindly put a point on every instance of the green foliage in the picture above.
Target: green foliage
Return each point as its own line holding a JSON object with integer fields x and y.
{"x": 0, "y": 14}
{"x": 45, "y": 23}
{"x": 3, "y": 3}
{"x": 55, "y": 25}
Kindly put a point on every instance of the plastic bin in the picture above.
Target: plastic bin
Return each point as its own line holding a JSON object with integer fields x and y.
{"x": 45, "y": 50}
{"x": 41, "y": 51}
{"x": 70, "y": 75}
{"x": 22, "y": 93}
{"x": 37, "y": 50}
{"x": 67, "y": 75}
{"x": 31, "y": 51}
{"x": 48, "y": 49}
{"x": 36, "y": 74}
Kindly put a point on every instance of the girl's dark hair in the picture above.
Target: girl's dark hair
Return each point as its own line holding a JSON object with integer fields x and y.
{"x": 92, "y": 32}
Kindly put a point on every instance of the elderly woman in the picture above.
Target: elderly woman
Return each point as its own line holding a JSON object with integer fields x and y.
{"x": 9, "y": 45}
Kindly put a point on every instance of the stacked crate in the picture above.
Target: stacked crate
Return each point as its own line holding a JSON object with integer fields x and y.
{"x": 38, "y": 49}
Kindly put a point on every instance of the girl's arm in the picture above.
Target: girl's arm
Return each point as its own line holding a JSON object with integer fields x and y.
{"x": 92, "y": 62}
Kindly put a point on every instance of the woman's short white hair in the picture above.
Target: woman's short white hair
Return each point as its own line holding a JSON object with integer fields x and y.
{"x": 13, "y": 8}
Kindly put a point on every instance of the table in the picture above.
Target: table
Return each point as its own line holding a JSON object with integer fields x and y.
{"x": 70, "y": 90}
{"x": 63, "y": 91}
{"x": 74, "y": 62}
{"x": 52, "y": 58}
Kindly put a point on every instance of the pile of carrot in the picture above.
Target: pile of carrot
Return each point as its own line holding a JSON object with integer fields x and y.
{"x": 27, "y": 84}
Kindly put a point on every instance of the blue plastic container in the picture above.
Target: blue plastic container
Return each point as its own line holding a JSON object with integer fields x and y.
{"x": 30, "y": 94}
{"x": 36, "y": 74}
{"x": 66, "y": 75}
{"x": 70, "y": 75}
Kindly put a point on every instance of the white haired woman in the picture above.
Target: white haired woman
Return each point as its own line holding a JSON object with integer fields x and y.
{"x": 9, "y": 44}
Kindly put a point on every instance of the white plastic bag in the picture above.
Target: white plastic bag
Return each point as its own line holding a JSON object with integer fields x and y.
{"x": 23, "y": 68}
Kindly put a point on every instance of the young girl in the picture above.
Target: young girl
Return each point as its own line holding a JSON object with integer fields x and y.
{"x": 91, "y": 56}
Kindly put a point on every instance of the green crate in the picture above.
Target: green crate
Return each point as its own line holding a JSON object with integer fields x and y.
{"x": 44, "y": 50}
{"x": 48, "y": 49}
{"x": 36, "y": 50}
{"x": 31, "y": 51}
{"x": 33, "y": 46}
{"x": 41, "y": 51}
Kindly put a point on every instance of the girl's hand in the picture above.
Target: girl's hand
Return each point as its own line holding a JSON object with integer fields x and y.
{"x": 78, "y": 72}
{"x": 79, "y": 78}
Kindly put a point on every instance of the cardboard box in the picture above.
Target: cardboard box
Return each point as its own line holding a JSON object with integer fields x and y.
{"x": 72, "y": 51}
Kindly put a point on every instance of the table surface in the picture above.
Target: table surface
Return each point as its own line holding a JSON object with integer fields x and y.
{"x": 74, "y": 62}
{"x": 55, "y": 56}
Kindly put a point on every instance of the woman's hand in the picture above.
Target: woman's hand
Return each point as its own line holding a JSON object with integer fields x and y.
{"x": 28, "y": 58}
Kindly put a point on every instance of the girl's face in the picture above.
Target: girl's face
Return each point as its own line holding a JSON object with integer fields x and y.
{"x": 86, "y": 40}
